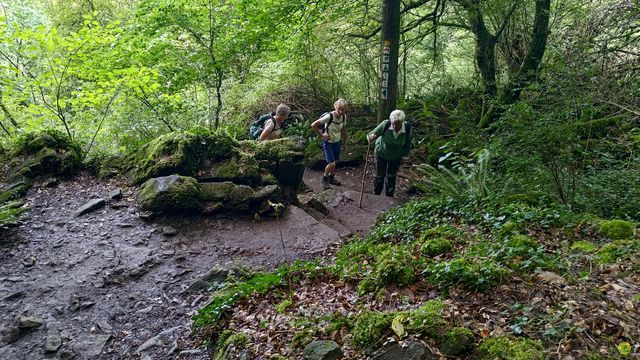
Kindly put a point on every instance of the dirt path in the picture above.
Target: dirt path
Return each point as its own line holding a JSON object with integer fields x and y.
{"x": 112, "y": 285}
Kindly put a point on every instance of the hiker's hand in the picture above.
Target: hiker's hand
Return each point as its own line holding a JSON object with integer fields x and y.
{"x": 324, "y": 136}
{"x": 371, "y": 137}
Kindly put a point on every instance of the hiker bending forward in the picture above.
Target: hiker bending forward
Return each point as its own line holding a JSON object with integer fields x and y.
{"x": 393, "y": 143}
{"x": 273, "y": 127}
{"x": 332, "y": 127}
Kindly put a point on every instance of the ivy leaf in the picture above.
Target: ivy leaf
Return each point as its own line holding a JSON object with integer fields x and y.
{"x": 396, "y": 326}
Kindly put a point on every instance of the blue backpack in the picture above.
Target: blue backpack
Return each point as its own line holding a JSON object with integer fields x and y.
{"x": 256, "y": 127}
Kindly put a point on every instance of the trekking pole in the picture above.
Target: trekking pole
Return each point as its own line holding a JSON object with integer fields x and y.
{"x": 364, "y": 173}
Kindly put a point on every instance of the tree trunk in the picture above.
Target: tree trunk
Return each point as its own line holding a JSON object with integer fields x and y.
{"x": 531, "y": 64}
{"x": 388, "y": 94}
{"x": 485, "y": 48}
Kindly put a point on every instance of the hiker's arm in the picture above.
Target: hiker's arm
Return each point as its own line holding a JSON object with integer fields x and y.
{"x": 268, "y": 128}
{"x": 376, "y": 132}
{"x": 316, "y": 128}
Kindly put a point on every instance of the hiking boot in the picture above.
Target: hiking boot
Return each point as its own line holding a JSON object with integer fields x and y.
{"x": 325, "y": 182}
{"x": 333, "y": 181}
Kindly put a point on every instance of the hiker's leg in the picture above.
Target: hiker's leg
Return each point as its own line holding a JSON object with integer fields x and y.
{"x": 330, "y": 157}
{"x": 335, "y": 147}
{"x": 392, "y": 171}
{"x": 378, "y": 178}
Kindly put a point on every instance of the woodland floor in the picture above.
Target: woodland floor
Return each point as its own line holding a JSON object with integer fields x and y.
{"x": 112, "y": 285}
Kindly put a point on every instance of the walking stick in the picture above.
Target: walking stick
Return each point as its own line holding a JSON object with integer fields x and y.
{"x": 364, "y": 173}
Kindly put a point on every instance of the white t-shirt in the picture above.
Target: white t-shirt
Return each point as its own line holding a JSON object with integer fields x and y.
{"x": 273, "y": 129}
{"x": 335, "y": 128}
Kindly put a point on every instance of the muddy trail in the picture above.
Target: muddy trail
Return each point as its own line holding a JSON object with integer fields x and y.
{"x": 113, "y": 284}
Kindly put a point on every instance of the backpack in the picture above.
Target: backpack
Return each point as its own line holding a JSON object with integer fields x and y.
{"x": 407, "y": 130}
{"x": 256, "y": 127}
{"x": 325, "y": 127}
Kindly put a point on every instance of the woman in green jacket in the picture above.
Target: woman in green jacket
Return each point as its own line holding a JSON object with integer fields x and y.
{"x": 393, "y": 143}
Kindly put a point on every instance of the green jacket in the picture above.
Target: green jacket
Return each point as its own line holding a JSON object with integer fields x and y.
{"x": 390, "y": 147}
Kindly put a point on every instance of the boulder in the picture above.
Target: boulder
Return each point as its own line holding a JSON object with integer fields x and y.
{"x": 183, "y": 153}
{"x": 240, "y": 169}
{"x": 228, "y": 196}
{"x": 407, "y": 350}
{"x": 323, "y": 350}
{"x": 44, "y": 152}
{"x": 172, "y": 193}
{"x": 283, "y": 158}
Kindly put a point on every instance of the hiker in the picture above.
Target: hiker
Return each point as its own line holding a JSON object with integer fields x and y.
{"x": 393, "y": 143}
{"x": 332, "y": 128}
{"x": 272, "y": 128}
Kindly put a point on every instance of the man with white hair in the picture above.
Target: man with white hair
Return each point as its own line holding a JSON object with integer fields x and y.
{"x": 393, "y": 143}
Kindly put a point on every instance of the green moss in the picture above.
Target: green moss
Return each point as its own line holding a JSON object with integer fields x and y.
{"x": 437, "y": 246}
{"x": 181, "y": 153}
{"x": 510, "y": 228}
{"x": 457, "y": 341}
{"x": 505, "y": 348}
{"x": 302, "y": 338}
{"x": 241, "y": 169}
{"x": 584, "y": 246}
{"x": 172, "y": 194}
{"x": 616, "y": 229}
{"x": 370, "y": 327}
{"x": 619, "y": 249}
{"x": 467, "y": 273}
{"x": 393, "y": 265}
{"x": 427, "y": 320}
{"x": 226, "y": 339}
{"x": 283, "y": 305}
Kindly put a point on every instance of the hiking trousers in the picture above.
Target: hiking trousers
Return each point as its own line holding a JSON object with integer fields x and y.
{"x": 386, "y": 171}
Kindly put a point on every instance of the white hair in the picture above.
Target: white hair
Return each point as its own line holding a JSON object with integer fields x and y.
{"x": 283, "y": 109}
{"x": 397, "y": 115}
{"x": 340, "y": 103}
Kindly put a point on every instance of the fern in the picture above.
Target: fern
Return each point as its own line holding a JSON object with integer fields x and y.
{"x": 10, "y": 209}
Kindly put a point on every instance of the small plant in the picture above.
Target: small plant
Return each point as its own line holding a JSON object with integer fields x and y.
{"x": 427, "y": 319}
{"x": 624, "y": 348}
{"x": 584, "y": 246}
{"x": 394, "y": 265}
{"x": 283, "y": 306}
{"x": 10, "y": 209}
{"x": 619, "y": 249}
{"x": 437, "y": 246}
{"x": 616, "y": 229}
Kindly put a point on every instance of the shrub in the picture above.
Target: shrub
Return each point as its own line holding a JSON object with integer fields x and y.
{"x": 616, "y": 229}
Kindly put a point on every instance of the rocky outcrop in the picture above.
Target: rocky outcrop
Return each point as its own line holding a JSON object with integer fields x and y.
{"x": 223, "y": 175}
{"x": 40, "y": 153}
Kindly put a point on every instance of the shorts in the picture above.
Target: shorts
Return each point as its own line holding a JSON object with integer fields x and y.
{"x": 331, "y": 151}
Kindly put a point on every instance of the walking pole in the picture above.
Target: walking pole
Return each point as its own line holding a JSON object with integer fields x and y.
{"x": 364, "y": 173}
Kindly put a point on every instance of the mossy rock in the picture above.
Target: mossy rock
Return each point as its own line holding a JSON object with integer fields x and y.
{"x": 457, "y": 341}
{"x": 238, "y": 198}
{"x": 181, "y": 153}
{"x": 228, "y": 343}
{"x": 370, "y": 327}
{"x": 106, "y": 167}
{"x": 616, "y": 229}
{"x": 511, "y": 349}
{"x": 171, "y": 194}
{"x": 283, "y": 158}
{"x": 393, "y": 265}
{"x": 427, "y": 320}
{"x": 599, "y": 128}
{"x": 240, "y": 169}
{"x": 584, "y": 246}
{"x": 43, "y": 152}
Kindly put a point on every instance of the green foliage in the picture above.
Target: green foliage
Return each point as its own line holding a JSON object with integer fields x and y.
{"x": 521, "y": 252}
{"x": 584, "y": 246}
{"x": 505, "y": 348}
{"x": 10, "y": 209}
{"x": 617, "y": 250}
{"x": 457, "y": 341}
{"x": 469, "y": 274}
{"x": 302, "y": 338}
{"x": 426, "y": 320}
{"x": 437, "y": 246}
{"x": 616, "y": 229}
{"x": 391, "y": 265}
{"x": 468, "y": 181}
